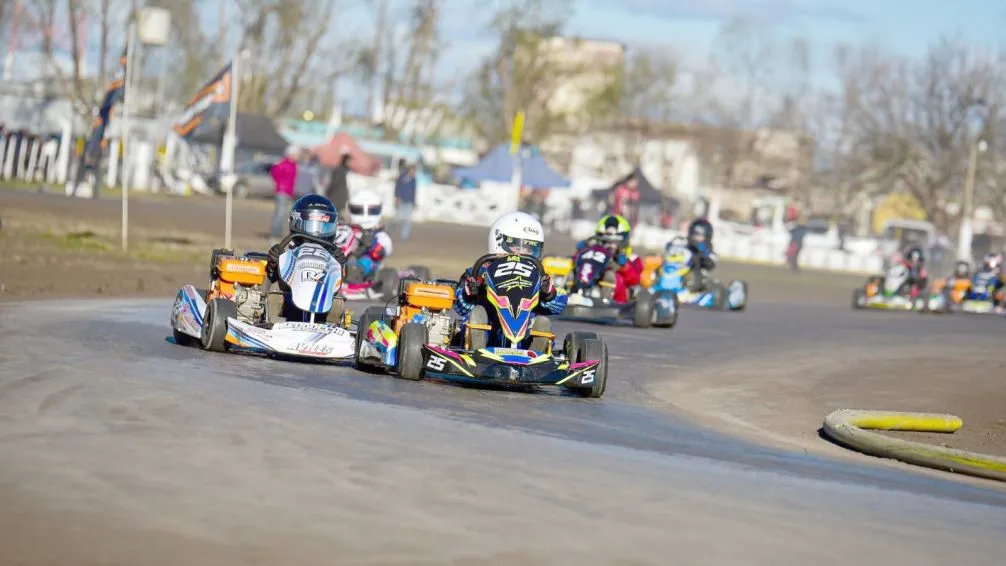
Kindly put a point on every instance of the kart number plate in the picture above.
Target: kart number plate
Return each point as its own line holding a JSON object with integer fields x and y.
{"x": 309, "y": 327}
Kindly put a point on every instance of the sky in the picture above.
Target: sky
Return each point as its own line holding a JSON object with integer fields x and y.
{"x": 690, "y": 27}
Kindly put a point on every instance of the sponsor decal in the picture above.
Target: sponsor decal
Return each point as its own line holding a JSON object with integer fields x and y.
{"x": 514, "y": 352}
{"x": 310, "y": 327}
{"x": 312, "y": 349}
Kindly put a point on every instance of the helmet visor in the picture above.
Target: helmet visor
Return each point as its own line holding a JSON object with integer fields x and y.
{"x": 317, "y": 223}
{"x": 522, "y": 246}
{"x": 365, "y": 209}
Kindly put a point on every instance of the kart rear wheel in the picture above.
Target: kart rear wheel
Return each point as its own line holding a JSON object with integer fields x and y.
{"x": 719, "y": 297}
{"x": 572, "y": 342}
{"x": 670, "y": 321}
{"x": 214, "y": 332}
{"x": 642, "y": 311}
{"x": 744, "y": 289}
{"x": 410, "y": 351}
{"x": 362, "y": 324}
{"x": 421, "y": 272}
{"x": 479, "y": 338}
{"x": 387, "y": 278}
{"x": 858, "y": 298}
{"x": 594, "y": 349}
{"x": 541, "y": 324}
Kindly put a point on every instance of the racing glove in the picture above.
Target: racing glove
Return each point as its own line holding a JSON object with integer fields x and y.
{"x": 272, "y": 263}
{"x": 469, "y": 285}
{"x": 547, "y": 292}
{"x": 620, "y": 259}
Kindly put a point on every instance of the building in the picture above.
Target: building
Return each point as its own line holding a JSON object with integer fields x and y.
{"x": 585, "y": 69}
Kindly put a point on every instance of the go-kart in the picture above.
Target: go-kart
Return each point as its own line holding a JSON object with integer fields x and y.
{"x": 591, "y": 289}
{"x": 419, "y": 337}
{"x": 892, "y": 291}
{"x": 696, "y": 287}
{"x": 977, "y": 295}
{"x": 240, "y": 312}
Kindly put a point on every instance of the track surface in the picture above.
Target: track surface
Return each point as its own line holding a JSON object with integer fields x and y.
{"x": 123, "y": 448}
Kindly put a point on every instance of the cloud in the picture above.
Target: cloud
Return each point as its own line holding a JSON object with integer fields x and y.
{"x": 767, "y": 11}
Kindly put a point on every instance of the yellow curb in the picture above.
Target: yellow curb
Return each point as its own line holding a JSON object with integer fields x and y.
{"x": 851, "y": 428}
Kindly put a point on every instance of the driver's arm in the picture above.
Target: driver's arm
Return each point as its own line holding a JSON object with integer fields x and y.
{"x": 466, "y": 293}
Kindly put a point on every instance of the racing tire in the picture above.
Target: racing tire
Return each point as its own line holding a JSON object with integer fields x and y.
{"x": 387, "y": 278}
{"x": 214, "y": 334}
{"x": 479, "y": 338}
{"x": 594, "y": 349}
{"x": 669, "y": 322}
{"x": 642, "y": 311}
{"x": 410, "y": 351}
{"x": 421, "y": 272}
{"x": 571, "y": 343}
{"x": 362, "y": 324}
{"x": 858, "y": 298}
{"x": 541, "y": 324}
{"x": 719, "y": 297}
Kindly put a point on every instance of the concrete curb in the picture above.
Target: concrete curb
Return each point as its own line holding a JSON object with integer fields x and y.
{"x": 850, "y": 428}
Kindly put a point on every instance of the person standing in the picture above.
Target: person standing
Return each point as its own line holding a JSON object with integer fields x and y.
{"x": 338, "y": 184}
{"x": 405, "y": 199}
{"x": 284, "y": 175}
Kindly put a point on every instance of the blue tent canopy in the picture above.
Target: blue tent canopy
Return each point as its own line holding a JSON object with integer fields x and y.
{"x": 497, "y": 165}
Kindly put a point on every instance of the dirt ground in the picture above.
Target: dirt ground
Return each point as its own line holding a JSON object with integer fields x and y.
{"x": 784, "y": 398}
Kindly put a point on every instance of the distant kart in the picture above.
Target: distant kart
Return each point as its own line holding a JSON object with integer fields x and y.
{"x": 677, "y": 275}
{"x": 420, "y": 337}
{"x": 377, "y": 289}
{"x": 977, "y": 295}
{"x": 890, "y": 292}
{"x": 239, "y": 312}
{"x": 591, "y": 292}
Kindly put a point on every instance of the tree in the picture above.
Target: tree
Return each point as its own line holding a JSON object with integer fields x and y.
{"x": 522, "y": 74}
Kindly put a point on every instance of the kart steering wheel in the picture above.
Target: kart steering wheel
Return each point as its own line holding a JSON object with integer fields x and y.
{"x": 531, "y": 259}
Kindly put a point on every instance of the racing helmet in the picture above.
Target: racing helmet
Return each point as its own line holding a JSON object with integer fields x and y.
{"x": 365, "y": 209}
{"x": 613, "y": 231}
{"x": 992, "y": 261}
{"x": 314, "y": 215}
{"x": 962, "y": 269}
{"x": 915, "y": 255}
{"x": 700, "y": 230}
{"x": 517, "y": 233}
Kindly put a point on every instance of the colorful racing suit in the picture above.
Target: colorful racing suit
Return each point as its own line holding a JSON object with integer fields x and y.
{"x": 628, "y": 274}
{"x": 366, "y": 249}
{"x": 991, "y": 280}
{"x": 464, "y": 301}
{"x": 918, "y": 276}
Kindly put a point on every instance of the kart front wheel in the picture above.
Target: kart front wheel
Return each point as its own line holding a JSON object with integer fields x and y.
{"x": 642, "y": 311}
{"x": 594, "y": 349}
{"x": 214, "y": 332}
{"x": 571, "y": 344}
{"x": 478, "y": 338}
{"x": 387, "y": 278}
{"x": 421, "y": 272}
{"x": 362, "y": 325}
{"x": 666, "y": 317}
{"x": 410, "y": 351}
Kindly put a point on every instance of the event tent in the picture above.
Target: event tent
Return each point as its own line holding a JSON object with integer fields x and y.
{"x": 330, "y": 155}
{"x": 497, "y": 165}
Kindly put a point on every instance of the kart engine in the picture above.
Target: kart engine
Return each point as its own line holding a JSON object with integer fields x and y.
{"x": 441, "y": 328}
{"x": 250, "y": 302}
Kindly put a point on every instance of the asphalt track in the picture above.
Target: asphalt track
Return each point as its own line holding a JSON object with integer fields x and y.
{"x": 120, "y": 447}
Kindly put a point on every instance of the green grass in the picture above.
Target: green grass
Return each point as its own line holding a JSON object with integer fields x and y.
{"x": 93, "y": 243}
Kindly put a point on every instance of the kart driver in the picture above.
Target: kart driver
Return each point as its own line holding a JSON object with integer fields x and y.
{"x": 614, "y": 232}
{"x": 514, "y": 233}
{"x": 914, "y": 259}
{"x": 365, "y": 241}
{"x": 991, "y": 276}
{"x": 312, "y": 215}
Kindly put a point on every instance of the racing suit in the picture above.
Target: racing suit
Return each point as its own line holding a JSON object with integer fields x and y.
{"x": 918, "y": 276}
{"x": 990, "y": 279}
{"x": 705, "y": 261}
{"x": 365, "y": 249}
{"x": 469, "y": 292}
{"x": 272, "y": 273}
{"x": 628, "y": 274}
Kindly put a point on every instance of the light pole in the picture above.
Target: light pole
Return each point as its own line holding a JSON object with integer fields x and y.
{"x": 976, "y": 125}
{"x": 152, "y": 27}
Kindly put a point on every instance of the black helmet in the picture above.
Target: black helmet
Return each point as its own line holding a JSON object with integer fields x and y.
{"x": 702, "y": 228}
{"x": 915, "y": 254}
{"x": 314, "y": 215}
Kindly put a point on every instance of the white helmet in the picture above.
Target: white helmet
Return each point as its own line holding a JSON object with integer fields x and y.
{"x": 517, "y": 233}
{"x": 365, "y": 209}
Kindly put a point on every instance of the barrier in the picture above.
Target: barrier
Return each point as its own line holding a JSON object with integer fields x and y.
{"x": 851, "y": 428}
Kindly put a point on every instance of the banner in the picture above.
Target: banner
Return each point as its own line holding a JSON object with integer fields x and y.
{"x": 208, "y": 109}
{"x": 113, "y": 93}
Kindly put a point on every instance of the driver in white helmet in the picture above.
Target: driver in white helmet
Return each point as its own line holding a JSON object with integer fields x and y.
{"x": 365, "y": 241}
{"x": 514, "y": 233}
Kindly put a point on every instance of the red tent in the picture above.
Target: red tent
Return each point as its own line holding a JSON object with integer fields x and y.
{"x": 330, "y": 155}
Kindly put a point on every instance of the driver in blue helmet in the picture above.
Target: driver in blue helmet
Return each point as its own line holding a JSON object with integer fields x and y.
{"x": 314, "y": 216}
{"x": 515, "y": 233}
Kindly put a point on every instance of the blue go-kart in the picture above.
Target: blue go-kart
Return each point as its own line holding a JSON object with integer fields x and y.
{"x": 695, "y": 287}
{"x": 982, "y": 296}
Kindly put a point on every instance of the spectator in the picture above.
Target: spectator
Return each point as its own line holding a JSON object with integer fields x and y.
{"x": 284, "y": 175}
{"x": 625, "y": 199}
{"x": 307, "y": 177}
{"x": 405, "y": 198}
{"x": 338, "y": 184}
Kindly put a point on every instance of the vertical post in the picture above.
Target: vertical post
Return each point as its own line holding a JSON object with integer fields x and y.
{"x": 230, "y": 147}
{"x": 966, "y": 234}
{"x": 124, "y": 136}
